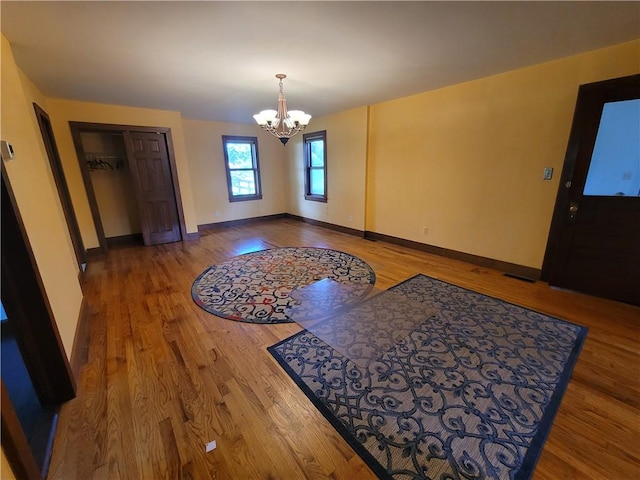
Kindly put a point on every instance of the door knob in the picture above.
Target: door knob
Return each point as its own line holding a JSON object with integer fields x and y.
{"x": 573, "y": 210}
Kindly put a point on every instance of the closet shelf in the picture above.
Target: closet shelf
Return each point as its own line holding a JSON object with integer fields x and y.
{"x": 102, "y": 161}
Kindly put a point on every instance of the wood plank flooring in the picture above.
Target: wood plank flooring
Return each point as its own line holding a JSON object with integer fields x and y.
{"x": 163, "y": 377}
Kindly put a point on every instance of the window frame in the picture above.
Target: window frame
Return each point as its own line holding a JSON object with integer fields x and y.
{"x": 307, "y": 138}
{"x": 253, "y": 141}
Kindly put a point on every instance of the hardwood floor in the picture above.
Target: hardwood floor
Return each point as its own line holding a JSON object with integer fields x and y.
{"x": 163, "y": 377}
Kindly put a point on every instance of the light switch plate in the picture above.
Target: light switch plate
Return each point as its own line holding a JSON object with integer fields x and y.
{"x": 548, "y": 173}
{"x": 7, "y": 150}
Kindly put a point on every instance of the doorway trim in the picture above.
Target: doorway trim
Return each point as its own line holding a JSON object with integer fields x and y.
{"x": 36, "y": 332}
{"x": 57, "y": 170}
{"x": 80, "y": 127}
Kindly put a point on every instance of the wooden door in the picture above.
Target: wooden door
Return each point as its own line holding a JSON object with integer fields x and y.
{"x": 151, "y": 172}
{"x": 594, "y": 242}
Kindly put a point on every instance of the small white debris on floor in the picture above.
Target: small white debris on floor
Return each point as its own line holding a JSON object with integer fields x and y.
{"x": 210, "y": 446}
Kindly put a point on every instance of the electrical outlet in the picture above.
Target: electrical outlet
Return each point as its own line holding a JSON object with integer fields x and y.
{"x": 425, "y": 230}
{"x": 548, "y": 173}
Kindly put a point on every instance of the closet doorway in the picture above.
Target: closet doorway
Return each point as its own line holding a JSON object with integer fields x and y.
{"x": 130, "y": 178}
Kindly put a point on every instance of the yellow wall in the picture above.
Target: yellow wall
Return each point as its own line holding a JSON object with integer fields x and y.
{"x": 63, "y": 111}
{"x": 466, "y": 162}
{"x": 113, "y": 188}
{"x": 35, "y": 191}
{"x": 5, "y": 469}
{"x": 206, "y": 163}
{"x": 346, "y": 170}
{"x": 459, "y": 167}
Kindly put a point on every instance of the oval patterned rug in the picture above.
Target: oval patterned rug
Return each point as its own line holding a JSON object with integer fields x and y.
{"x": 256, "y": 287}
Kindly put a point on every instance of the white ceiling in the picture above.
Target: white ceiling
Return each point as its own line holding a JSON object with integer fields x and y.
{"x": 218, "y": 60}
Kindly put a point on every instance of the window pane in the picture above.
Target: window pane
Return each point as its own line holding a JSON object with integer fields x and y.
{"x": 317, "y": 182}
{"x": 315, "y": 164}
{"x": 317, "y": 153}
{"x": 242, "y": 183}
{"x": 242, "y": 167}
{"x": 240, "y": 155}
{"x": 615, "y": 162}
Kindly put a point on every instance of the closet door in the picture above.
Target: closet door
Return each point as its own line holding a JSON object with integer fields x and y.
{"x": 151, "y": 173}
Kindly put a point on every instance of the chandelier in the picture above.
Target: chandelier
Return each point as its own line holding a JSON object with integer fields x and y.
{"x": 282, "y": 123}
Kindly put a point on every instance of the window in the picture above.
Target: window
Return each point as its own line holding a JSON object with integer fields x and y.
{"x": 243, "y": 170}
{"x": 315, "y": 161}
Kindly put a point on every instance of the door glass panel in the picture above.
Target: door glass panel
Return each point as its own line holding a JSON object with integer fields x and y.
{"x": 615, "y": 163}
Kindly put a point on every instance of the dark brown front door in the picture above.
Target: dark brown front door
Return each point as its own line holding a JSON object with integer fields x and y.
{"x": 594, "y": 242}
{"x": 151, "y": 173}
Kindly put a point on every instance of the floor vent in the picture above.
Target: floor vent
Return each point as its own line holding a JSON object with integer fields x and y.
{"x": 518, "y": 277}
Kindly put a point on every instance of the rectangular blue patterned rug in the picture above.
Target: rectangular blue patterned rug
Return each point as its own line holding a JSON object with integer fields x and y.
{"x": 468, "y": 392}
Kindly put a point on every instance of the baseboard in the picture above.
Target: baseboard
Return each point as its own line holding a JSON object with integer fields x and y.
{"x": 279, "y": 216}
{"x": 330, "y": 226}
{"x": 511, "y": 268}
{"x": 124, "y": 240}
{"x": 95, "y": 252}
{"x": 80, "y": 348}
{"x": 192, "y": 236}
{"x": 241, "y": 221}
{"x": 514, "y": 270}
